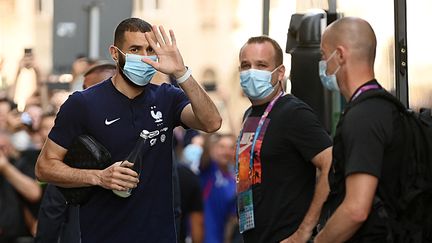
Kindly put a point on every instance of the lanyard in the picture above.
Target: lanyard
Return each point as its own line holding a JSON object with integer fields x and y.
{"x": 257, "y": 132}
{"x": 365, "y": 88}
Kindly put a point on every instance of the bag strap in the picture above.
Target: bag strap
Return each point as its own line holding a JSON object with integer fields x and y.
{"x": 379, "y": 93}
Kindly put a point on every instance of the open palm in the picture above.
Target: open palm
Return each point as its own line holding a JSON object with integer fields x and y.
{"x": 170, "y": 60}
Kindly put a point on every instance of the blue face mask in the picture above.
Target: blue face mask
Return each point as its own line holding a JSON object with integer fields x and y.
{"x": 328, "y": 81}
{"x": 192, "y": 155}
{"x": 139, "y": 72}
{"x": 256, "y": 84}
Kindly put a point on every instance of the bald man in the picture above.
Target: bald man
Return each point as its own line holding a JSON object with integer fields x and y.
{"x": 368, "y": 144}
{"x": 98, "y": 72}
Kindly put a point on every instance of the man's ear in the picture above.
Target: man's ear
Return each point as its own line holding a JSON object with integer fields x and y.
{"x": 114, "y": 53}
{"x": 281, "y": 72}
{"x": 341, "y": 53}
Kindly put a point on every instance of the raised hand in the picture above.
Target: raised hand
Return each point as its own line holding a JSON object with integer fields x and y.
{"x": 170, "y": 60}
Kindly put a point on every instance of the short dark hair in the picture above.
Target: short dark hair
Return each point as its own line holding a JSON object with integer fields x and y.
{"x": 132, "y": 25}
{"x": 276, "y": 46}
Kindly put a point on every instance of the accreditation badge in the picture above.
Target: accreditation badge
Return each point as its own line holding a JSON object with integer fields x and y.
{"x": 245, "y": 210}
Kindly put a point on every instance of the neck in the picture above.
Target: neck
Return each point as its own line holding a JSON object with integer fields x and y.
{"x": 351, "y": 89}
{"x": 269, "y": 98}
{"x": 124, "y": 87}
{"x": 354, "y": 80}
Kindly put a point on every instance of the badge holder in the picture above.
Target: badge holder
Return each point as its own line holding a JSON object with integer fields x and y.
{"x": 245, "y": 208}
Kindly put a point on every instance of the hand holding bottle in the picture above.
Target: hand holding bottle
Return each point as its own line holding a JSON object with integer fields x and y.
{"x": 134, "y": 161}
{"x": 119, "y": 176}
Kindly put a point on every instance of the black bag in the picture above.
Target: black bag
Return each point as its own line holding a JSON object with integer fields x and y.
{"x": 84, "y": 153}
{"x": 412, "y": 223}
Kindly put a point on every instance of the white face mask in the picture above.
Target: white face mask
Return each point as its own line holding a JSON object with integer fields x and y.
{"x": 328, "y": 81}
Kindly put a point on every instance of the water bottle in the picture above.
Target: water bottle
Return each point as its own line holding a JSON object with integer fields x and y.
{"x": 135, "y": 157}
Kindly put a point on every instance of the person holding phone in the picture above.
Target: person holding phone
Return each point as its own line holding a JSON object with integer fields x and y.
{"x": 27, "y": 79}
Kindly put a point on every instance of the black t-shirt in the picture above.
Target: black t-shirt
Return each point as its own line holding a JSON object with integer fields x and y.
{"x": 292, "y": 137}
{"x": 191, "y": 197}
{"x": 26, "y": 164}
{"x": 369, "y": 140}
{"x": 12, "y": 223}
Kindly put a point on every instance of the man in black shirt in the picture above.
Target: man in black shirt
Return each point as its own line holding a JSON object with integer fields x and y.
{"x": 368, "y": 144}
{"x": 279, "y": 193}
{"x": 192, "y": 217}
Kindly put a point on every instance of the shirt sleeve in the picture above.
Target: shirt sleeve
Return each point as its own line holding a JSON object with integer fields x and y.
{"x": 366, "y": 131}
{"x": 306, "y": 132}
{"x": 69, "y": 121}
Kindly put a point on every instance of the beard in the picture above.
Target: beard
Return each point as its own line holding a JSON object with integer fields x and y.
{"x": 121, "y": 63}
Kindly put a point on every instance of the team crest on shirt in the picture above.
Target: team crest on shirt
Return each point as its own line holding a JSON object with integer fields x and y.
{"x": 157, "y": 115}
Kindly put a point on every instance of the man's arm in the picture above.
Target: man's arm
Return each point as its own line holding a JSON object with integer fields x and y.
{"x": 322, "y": 161}
{"x": 30, "y": 221}
{"x": 197, "y": 226}
{"x": 23, "y": 184}
{"x": 353, "y": 211}
{"x": 230, "y": 226}
{"x": 50, "y": 168}
{"x": 202, "y": 113}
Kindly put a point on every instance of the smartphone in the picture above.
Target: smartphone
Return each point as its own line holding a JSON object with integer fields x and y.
{"x": 209, "y": 86}
{"x": 28, "y": 51}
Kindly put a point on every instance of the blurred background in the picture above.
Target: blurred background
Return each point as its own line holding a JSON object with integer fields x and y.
{"x": 47, "y": 46}
{"x": 210, "y": 34}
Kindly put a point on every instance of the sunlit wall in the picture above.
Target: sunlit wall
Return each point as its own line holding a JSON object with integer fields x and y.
{"x": 419, "y": 53}
{"x": 25, "y": 24}
{"x": 210, "y": 34}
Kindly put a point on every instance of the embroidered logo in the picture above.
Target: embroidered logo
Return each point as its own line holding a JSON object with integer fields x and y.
{"x": 156, "y": 115}
{"x": 110, "y": 122}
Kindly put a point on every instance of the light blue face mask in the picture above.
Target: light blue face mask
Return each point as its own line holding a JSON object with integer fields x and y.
{"x": 192, "y": 155}
{"x": 256, "y": 84}
{"x": 328, "y": 81}
{"x": 139, "y": 72}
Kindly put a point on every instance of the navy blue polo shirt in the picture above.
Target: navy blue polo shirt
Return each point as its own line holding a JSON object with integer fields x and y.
{"x": 116, "y": 122}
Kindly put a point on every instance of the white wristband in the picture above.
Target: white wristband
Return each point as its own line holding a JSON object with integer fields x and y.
{"x": 185, "y": 76}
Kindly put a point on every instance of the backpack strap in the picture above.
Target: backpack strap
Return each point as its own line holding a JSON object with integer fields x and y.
{"x": 379, "y": 93}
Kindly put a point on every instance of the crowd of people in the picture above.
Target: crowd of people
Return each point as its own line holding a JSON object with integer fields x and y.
{"x": 269, "y": 183}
